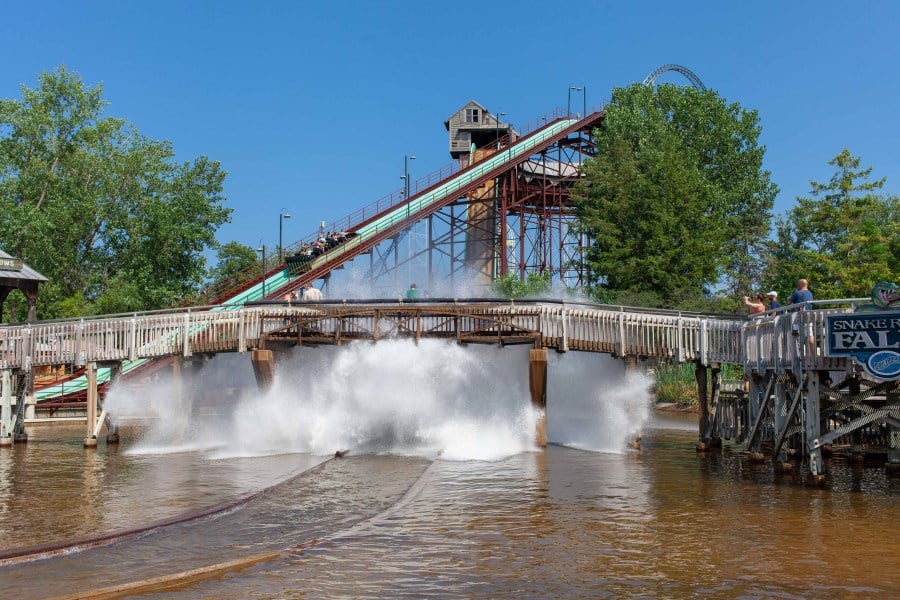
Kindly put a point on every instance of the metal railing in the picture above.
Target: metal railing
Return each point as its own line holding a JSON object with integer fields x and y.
{"x": 793, "y": 337}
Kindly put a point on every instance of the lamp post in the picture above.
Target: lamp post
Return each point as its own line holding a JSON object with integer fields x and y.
{"x": 405, "y": 178}
{"x": 583, "y": 90}
{"x": 284, "y": 214}
{"x": 262, "y": 250}
{"x": 502, "y": 114}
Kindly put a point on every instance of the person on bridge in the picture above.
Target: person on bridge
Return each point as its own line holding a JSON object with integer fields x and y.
{"x": 756, "y": 306}
{"x": 800, "y": 296}
{"x": 773, "y": 301}
{"x": 412, "y": 293}
{"x": 312, "y": 294}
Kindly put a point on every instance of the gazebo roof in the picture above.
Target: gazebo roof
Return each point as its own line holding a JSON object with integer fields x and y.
{"x": 14, "y": 269}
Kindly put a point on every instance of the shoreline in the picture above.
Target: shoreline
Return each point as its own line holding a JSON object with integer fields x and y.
{"x": 672, "y": 407}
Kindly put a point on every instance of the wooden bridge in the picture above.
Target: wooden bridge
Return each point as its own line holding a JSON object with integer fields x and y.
{"x": 798, "y": 400}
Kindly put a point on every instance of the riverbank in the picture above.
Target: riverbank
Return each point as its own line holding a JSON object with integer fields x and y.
{"x": 674, "y": 407}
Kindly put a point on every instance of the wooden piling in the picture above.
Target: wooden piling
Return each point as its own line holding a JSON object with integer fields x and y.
{"x": 263, "y": 368}
{"x": 702, "y": 390}
{"x": 537, "y": 384}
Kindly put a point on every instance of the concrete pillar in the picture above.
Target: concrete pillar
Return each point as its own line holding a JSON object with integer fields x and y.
{"x": 90, "y": 371}
{"x": 263, "y": 368}
{"x": 6, "y": 434}
{"x": 30, "y": 407}
{"x": 537, "y": 385}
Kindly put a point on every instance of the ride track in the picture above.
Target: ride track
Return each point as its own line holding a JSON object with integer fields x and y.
{"x": 182, "y": 579}
{"x": 371, "y": 225}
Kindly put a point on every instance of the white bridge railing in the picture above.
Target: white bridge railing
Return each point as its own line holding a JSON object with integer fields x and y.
{"x": 757, "y": 344}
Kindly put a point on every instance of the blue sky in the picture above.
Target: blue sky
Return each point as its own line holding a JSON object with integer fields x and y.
{"x": 311, "y": 106}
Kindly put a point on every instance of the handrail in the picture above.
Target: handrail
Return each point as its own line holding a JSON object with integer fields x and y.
{"x": 562, "y": 324}
{"x": 781, "y": 310}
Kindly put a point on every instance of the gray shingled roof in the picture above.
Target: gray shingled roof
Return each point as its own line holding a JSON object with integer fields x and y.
{"x": 26, "y": 273}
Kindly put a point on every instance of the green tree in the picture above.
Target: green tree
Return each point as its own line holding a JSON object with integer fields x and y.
{"x": 676, "y": 200}
{"x": 843, "y": 239}
{"x": 234, "y": 262}
{"x": 510, "y": 286}
{"x": 104, "y": 212}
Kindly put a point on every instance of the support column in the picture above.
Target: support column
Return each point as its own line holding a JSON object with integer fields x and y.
{"x": 856, "y": 444}
{"x": 31, "y": 294}
{"x": 812, "y": 426}
{"x": 537, "y": 384}
{"x": 112, "y": 429}
{"x": 753, "y": 393}
{"x": 90, "y": 371}
{"x": 893, "y": 441}
{"x": 6, "y": 434}
{"x": 781, "y": 402}
{"x": 263, "y": 368}
{"x": 703, "y": 424}
{"x": 715, "y": 439}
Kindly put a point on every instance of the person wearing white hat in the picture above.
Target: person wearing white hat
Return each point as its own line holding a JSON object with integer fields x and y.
{"x": 773, "y": 300}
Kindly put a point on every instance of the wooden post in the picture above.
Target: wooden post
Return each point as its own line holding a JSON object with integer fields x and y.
{"x": 90, "y": 440}
{"x": 263, "y": 368}
{"x": 701, "y": 377}
{"x": 812, "y": 425}
{"x": 893, "y": 442}
{"x": 537, "y": 384}
{"x": 715, "y": 440}
{"x": 856, "y": 446}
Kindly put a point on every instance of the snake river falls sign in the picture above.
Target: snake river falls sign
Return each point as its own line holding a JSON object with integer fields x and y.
{"x": 872, "y": 339}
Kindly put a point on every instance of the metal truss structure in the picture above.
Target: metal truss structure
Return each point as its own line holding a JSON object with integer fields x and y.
{"x": 520, "y": 223}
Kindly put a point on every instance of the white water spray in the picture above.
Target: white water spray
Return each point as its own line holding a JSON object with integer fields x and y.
{"x": 593, "y": 403}
{"x": 464, "y": 403}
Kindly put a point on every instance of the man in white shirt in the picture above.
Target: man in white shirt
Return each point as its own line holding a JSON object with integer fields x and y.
{"x": 311, "y": 294}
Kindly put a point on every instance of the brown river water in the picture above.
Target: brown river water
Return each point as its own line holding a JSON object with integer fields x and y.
{"x": 659, "y": 522}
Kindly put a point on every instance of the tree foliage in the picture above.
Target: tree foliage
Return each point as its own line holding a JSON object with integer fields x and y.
{"x": 534, "y": 286}
{"x": 843, "y": 239}
{"x": 233, "y": 263}
{"x": 676, "y": 200}
{"x": 105, "y": 213}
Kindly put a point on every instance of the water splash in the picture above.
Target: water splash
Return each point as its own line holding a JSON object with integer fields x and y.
{"x": 594, "y": 403}
{"x": 437, "y": 398}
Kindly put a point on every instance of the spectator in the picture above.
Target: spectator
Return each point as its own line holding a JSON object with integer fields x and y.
{"x": 773, "y": 301}
{"x": 412, "y": 293}
{"x": 801, "y": 294}
{"x": 312, "y": 294}
{"x": 756, "y": 306}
